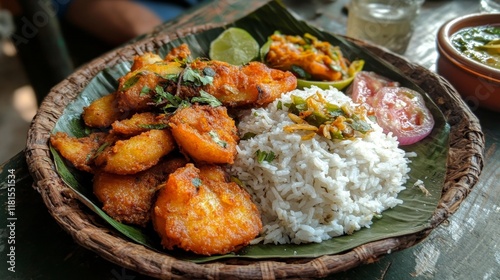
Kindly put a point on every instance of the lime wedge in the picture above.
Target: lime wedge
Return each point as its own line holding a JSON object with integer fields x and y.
{"x": 235, "y": 46}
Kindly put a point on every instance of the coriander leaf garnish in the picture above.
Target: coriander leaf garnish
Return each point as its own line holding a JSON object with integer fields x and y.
{"x": 190, "y": 75}
{"x": 265, "y": 156}
{"x": 216, "y": 139}
{"x": 279, "y": 106}
{"x": 163, "y": 95}
{"x": 131, "y": 81}
{"x": 207, "y": 98}
{"x": 145, "y": 90}
{"x": 166, "y": 99}
{"x": 187, "y": 77}
{"x": 172, "y": 77}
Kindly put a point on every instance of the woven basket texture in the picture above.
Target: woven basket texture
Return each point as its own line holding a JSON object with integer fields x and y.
{"x": 465, "y": 162}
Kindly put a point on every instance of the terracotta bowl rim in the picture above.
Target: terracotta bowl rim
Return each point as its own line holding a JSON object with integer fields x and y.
{"x": 454, "y": 56}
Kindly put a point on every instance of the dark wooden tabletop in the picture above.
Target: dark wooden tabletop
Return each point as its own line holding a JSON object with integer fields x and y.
{"x": 466, "y": 246}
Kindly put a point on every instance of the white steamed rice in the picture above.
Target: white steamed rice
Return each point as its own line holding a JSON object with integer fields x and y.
{"x": 317, "y": 189}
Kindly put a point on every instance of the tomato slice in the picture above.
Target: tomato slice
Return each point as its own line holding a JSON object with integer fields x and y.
{"x": 402, "y": 111}
{"x": 365, "y": 86}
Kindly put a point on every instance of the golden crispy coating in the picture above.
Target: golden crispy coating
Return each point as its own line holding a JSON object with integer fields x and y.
{"x": 181, "y": 52}
{"x": 251, "y": 84}
{"x": 200, "y": 211}
{"x": 145, "y": 59}
{"x": 129, "y": 198}
{"x": 205, "y": 133}
{"x": 137, "y": 153}
{"x": 103, "y": 112}
{"x": 80, "y": 151}
{"x": 197, "y": 210}
{"x": 136, "y": 88}
{"x": 319, "y": 59}
{"x": 139, "y": 123}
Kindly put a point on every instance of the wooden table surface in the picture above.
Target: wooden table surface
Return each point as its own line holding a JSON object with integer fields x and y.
{"x": 464, "y": 247}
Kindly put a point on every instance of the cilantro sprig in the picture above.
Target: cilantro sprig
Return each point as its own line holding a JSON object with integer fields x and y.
{"x": 206, "y": 98}
{"x": 131, "y": 81}
{"x": 265, "y": 156}
{"x": 195, "y": 77}
{"x": 168, "y": 101}
{"x": 187, "y": 77}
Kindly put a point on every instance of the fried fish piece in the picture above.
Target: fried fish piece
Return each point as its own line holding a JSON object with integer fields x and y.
{"x": 103, "y": 111}
{"x": 251, "y": 84}
{"x": 137, "y": 153}
{"x": 136, "y": 89}
{"x": 138, "y": 123}
{"x": 129, "y": 198}
{"x": 145, "y": 59}
{"x": 319, "y": 59}
{"x": 81, "y": 151}
{"x": 220, "y": 217}
{"x": 205, "y": 133}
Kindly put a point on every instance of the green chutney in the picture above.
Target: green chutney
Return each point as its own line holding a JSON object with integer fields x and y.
{"x": 480, "y": 43}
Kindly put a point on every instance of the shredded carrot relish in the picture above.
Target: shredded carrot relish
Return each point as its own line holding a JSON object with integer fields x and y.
{"x": 317, "y": 116}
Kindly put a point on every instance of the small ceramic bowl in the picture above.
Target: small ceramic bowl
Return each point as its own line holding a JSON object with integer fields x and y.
{"x": 478, "y": 84}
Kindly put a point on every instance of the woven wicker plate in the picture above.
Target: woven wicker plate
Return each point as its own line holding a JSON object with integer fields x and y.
{"x": 465, "y": 160}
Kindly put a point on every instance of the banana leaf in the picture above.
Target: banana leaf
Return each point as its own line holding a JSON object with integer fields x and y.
{"x": 410, "y": 217}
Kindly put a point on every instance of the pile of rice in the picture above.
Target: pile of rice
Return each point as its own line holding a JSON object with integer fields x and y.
{"x": 316, "y": 189}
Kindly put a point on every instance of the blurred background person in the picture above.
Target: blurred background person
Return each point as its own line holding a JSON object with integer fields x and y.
{"x": 117, "y": 21}
{"x": 43, "y": 41}
{"x": 53, "y": 37}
